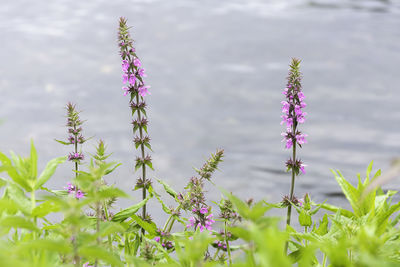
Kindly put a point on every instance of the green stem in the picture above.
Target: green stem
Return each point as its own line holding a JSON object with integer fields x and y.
{"x": 97, "y": 228}
{"x": 324, "y": 261}
{"x": 289, "y": 211}
{"x": 216, "y": 254}
{"x": 107, "y": 218}
{"x": 143, "y": 166}
{"x": 171, "y": 223}
{"x": 227, "y": 246}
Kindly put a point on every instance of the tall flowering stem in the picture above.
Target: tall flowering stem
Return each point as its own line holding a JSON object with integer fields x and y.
{"x": 293, "y": 116}
{"x": 132, "y": 77}
{"x": 75, "y": 138}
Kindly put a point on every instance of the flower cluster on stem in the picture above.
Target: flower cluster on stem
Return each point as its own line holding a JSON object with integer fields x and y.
{"x": 134, "y": 86}
{"x": 293, "y": 116}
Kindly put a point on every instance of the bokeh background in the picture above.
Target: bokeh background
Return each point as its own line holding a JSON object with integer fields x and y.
{"x": 217, "y": 71}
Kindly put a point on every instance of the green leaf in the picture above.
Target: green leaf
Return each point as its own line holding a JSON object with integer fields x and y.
{"x": 45, "y": 208}
{"x": 18, "y": 222}
{"x": 164, "y": 207}
{"x": 335, "y": 209}
{"x": 148, "y": 163}
{"x": 111, "y": 192}
{"x": 14, "y": 175}
{"x": 350, "y": 192}
{"x": 2, "y": 182}
{"x": 62, "y": 142}
{"x": 96, "y": 252}
{"x": 16, "y": 194}
{"x": 126, "y": 213}
{"x": 151, "y": 228}
{"x": 108, "y": 228}
{"x": 33, "y": 162}
{"x": 168, "y": 189}
{"x": 305, "y": 218}
{"x": 60, "y": 246}
{"x": 49, "y": 171}
{"x": 110, "y": 170}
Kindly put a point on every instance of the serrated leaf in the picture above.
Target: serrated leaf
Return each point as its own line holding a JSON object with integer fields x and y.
{"x": 168, "y": 189}
{"x": 111, "y": 192}
{"x": 126, "y": 213}
{"x": 305, "y": 218}
{"x": 17, "y": 195}
{"x": 151, "y": 228}
{"x": 349, "y": 191}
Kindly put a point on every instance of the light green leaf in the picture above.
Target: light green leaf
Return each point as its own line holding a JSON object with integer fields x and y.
{"x": 151, "y": 228}
{"x": 49, "y": 171}
{"x": 18, "y": 222}
{"x": 126, "y": 213}
{"x": 168, "y": 189}
{"x": 33, "y": 162}
{"x": 96, "y": 252}
{"x": 45, "y": 208}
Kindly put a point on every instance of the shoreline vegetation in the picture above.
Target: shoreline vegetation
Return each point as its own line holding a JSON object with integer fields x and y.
{"x": 92, "y": 231}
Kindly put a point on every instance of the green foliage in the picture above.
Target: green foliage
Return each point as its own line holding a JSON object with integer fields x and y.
{"x": 88, "y": 232}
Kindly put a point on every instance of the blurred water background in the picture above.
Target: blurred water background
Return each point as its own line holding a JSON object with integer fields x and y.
{"x": 217, "y": 71}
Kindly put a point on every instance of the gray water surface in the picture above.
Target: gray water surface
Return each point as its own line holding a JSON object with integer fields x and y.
{"x": 217, "y": 71}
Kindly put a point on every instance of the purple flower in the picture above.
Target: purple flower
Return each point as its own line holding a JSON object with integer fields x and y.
{"x": 71, "y": 139}
{"x": 125, "y": 65}
{"x": 157, "y": 239}
{"x": 75, "y": 156}
{"x": 285, "y": 107}
{"x": 141, "y": 73}
{"x": 302, "y": 168}
{"x": 124, "y": 78}
{"x": 87, "y": 265}
{"x": 143, "y": 90}
{"x": 79, "y": 194}
{"x": 203, "y": 210}
{"x": 126, "y": 90}
{"x": 137, "y": 62}
{"x": 132, "y": 79}
{"x": 70, "y": 187}
{"x": 192, "y": 221}
{"x": 301, "y": 138}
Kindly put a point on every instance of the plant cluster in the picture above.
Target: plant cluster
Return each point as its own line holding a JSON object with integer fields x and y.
{"x": 80, "y": 225}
